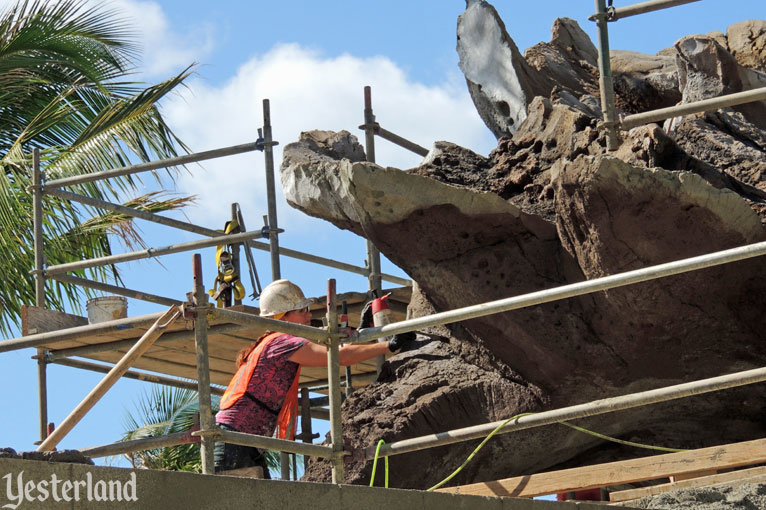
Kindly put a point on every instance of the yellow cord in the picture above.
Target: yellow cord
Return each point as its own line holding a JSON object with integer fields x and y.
{"x": 586, "y": 431}
{"x": 622, "y": 441}
{"x": 375, "y": 464}
{"x": 473, "y": 453}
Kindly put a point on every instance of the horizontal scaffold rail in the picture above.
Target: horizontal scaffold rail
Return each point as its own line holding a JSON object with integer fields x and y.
{"x": 594, "y": 408}
{"x": 616, "y": 13}
{"x": 39, "y": 339}
{"x": 155, "y": 165}
{"x": 114, "y": 289}
{"x": 704, "y": 105}
{"x": 151, "y": 252}
{"x": 564, "y": 291}
{"x": 190, "y": 227}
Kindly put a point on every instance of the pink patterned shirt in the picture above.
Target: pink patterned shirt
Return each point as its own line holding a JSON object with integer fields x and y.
{"x": 271, "y": 379}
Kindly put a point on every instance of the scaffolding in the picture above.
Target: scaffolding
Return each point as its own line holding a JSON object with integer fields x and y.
{"x": 162, "y": 328}
{"x": 611, "y": 122}
{"x": 151, "y": 341}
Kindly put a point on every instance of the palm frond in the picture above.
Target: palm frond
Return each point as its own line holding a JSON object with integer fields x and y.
{"x": 63, "y": 90}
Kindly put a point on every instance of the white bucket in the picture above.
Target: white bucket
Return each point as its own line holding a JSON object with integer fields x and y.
{"x": 106, "y": 308}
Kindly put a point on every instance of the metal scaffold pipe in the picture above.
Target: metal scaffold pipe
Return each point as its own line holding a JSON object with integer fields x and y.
{"x": 271, "y": 191}
{"x": 190, "y": 227}
{"x": 333, "y": 377}
{"x": 122, "y": 366}
{"x": 644, "y": 7}
{"x": 565, "y": 291}
{"x": 269, "y": 443}
{"x": 114, "y": 289}
{"x": 52, "y": 337}
{"x": 38, "y": 241}
{"x": 154, "y": 165}
{"x": 318, "y": 335}
{"x": 597, "y": 407}
{"x": 206, "y": 420}
{"x": 714, "y": 103}
{"x": 130, "y": 374}
{"x": 605, "y": 77}
{"x": 151, "y": 252}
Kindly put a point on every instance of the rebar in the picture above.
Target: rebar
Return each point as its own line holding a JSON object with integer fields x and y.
{"x": 594, "y": 408}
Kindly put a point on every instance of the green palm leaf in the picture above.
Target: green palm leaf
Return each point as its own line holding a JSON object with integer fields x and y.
{"x": 63, "y": 90}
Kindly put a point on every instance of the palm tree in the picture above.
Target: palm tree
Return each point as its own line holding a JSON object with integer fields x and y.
{"x": 64, "y": 89}
{"x": 164, "y": 410}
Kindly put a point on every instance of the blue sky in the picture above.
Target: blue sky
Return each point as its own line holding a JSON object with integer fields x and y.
{"x": 311, "y": 59}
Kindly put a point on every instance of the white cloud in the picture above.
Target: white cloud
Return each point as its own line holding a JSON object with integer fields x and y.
{"x": 309, "y": 91}
{"x": 164, "y": 49}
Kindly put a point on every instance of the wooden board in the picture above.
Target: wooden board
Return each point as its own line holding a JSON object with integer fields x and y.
{"x": 616, "y": 473}
{"x": 743, "y": 475}
{"x": 40, "y": 320}
{"x": 177, "y": 356}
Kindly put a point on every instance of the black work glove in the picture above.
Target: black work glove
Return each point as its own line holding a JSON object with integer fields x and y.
{"x": 401, "y": 341}
{"x": 365, "y": 318}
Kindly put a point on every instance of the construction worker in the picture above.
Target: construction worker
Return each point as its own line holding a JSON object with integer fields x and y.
{"x": 263, "y": 394}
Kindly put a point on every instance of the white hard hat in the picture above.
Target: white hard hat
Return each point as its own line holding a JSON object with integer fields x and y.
{"x": 281, "y": 296}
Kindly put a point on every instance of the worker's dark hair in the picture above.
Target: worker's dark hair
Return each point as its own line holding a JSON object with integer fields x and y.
{"x": 243, "y": 354}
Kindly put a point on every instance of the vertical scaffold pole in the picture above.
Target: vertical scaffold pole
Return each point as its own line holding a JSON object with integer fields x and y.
{"x": 373, "y": 254}
{"x": 235, "y": 252}
{"x": 37, "y": 230}
{"x": 268, "y": 144}
{"x": 276, "y": 272}
{"x": 605, "y": 76}
{"x": 333, "y": 379}
{"x": 206, "y": 420}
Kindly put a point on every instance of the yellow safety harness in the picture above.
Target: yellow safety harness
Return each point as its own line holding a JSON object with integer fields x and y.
{"x": 227, "y": 286}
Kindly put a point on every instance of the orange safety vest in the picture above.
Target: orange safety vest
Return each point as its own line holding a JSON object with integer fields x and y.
{"x": 238, "y": 388}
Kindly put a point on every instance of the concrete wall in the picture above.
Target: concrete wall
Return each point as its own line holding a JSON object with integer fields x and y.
{"x": 166, "y": 490}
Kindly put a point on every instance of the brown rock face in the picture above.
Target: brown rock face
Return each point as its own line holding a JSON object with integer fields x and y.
{"x": 550, "y": 207}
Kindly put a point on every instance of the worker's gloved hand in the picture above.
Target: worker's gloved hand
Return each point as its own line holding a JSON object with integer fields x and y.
{"x": 401, "y": 341}
{"x": 365, "y": 319}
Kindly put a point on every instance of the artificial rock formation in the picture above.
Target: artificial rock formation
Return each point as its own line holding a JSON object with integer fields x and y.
{"x": 549, "y": 207}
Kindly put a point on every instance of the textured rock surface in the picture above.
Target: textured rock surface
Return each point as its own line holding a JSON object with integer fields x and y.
{"x": 706, "y": 69}
{"x": 546, "y": 208}
{"x": 747, "y": 42}
{"x": 500, "y": 81}
{"x": 748, "y": 494}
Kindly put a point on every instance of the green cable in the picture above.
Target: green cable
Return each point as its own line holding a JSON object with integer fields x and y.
{"x": 622, "y": 441}
{"x": 586, "y": 431}
{"x": 375, "y": 464}
{"x": 473, "y": 453}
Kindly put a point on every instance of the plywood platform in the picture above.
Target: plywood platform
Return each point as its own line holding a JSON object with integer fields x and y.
{"x": 174, "y": 353}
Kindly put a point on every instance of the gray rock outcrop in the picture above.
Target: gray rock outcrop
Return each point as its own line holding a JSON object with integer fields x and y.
{"x": 549, "y": 207}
